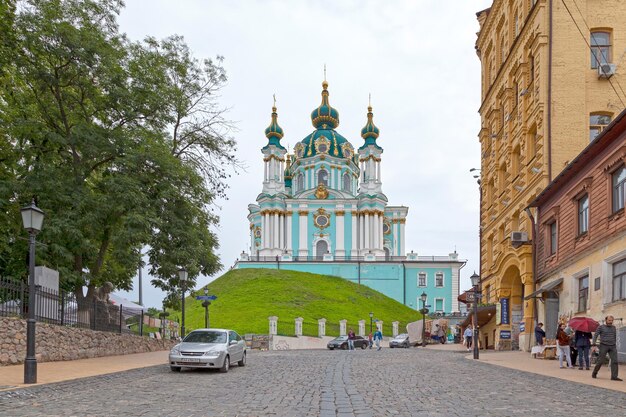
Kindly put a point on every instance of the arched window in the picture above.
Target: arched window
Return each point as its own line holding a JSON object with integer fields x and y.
{"x": 300, "y": 183}
{"x": 387, "y": 254}
{"x": 347, "y": 186}
{"x": 321, "y": 248}
{"x": 322, "y": 177}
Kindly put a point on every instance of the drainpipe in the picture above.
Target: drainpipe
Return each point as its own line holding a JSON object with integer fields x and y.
{"x": 534, "y": 262}
{"x": 550, "y": 95}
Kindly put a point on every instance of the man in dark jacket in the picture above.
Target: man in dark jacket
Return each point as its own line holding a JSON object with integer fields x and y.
{"x": 583, "y": 343}
{"x": 540, "y": 334}
{"x": 608, "y": 344}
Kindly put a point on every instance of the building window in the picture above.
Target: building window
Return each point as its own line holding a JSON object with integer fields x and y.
{"x": 553, "y": 237}
{"x": 597, "y": 123}
{"x": 619, "y": 280}
{"x": 300, "y": 182}
{"x": 600, "y": 48}
{"x": 619, "y": 189}
{"x": 421, "y": 279}
{"x": 438, "y": 305}
{"x": 487, "y": 295}
{"x": 346, "y": 182}
{"x": 322, "y": 177}
{"x": 531, "y": 61}
{"x": 583, "y": 214}
{"x": 439, "y": 279}
{"x": 583, "y": 292}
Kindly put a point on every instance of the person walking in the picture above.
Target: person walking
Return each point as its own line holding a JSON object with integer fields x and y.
{"x": 370, "y": 339}
{"x": 608, "y": 344}
{"x": 378, "y": 337}
{"x": 468, "y": 334}
{"x": 540, "y": 334}
{"x": 563, "y": 342}
{"x": 351, "y": 337}
{"x": 583, "y": 343}
{"x": 442, "y": 335}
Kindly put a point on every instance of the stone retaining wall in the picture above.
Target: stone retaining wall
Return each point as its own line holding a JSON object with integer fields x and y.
{"x": 60, "y": 343}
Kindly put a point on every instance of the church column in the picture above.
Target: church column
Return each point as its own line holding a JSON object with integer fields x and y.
{"x": 331, "y": 180}
{"x": 381, "y": 223}
{"x": 378, "y": 171}
{"x": 403, "y": 251}
{"x": 288, "y": 221}
{"x": 281, "y": 231}
{"x": 353, "y": 249}
{"x": 340, "y": 231}
{"x": 376, "y": 226}
{"x": 367, "y": 231}
{"x": 266, "y": 231}
{"x": 275, "y": 243}
{"x": 361, "y": 231}
{"x": 303, "y": 246}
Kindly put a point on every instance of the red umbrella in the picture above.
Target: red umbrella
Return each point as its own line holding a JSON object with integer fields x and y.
{"x": 584, "y": 324}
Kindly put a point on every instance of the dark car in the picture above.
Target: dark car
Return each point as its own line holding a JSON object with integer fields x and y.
{"x": 400, "y": 341}
{"x": 341, "y": 342}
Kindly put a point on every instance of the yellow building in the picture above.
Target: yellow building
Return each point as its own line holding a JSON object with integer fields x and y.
{"x": 553, "y": 75}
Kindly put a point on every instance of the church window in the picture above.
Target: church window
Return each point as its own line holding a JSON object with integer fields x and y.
{"x": 321, "y": 248}
{"x": 346, "y": 182}
{"x": 386, "y": 228}
{"x": 300, "y": 183}
{"x": 322, "y": 177}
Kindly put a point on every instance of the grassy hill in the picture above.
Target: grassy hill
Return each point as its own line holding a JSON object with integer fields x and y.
{"x": 247, "y": 297}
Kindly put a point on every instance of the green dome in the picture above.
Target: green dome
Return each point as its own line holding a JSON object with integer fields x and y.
{"x": 325, "y": 117}
{"x": 370, "y": 132}
{"x": 274, "y": 132}
{"x": 324, "y": 141}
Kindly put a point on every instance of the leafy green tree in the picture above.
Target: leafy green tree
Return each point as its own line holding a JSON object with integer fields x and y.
{"x": 124, "y": 144}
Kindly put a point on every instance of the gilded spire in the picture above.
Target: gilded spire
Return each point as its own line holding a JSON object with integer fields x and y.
{"x": 325, "y": 117}
{"x": 274, "y": 132}
{"x": 370, "y": 130}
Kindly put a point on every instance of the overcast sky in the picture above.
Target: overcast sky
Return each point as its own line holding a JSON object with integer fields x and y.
{"x": 415, "y": 57}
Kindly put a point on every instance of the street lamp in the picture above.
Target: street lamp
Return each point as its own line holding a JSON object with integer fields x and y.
{"x": 423, "y": 297}
{"x": 32, "y": 218}
{"x": 206, "y": 304}
{"x": 182, "y": 274}
{"x": 475, "y": 282}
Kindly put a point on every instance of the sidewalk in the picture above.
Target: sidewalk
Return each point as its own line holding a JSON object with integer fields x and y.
{"x": 522, "y": 361}
{"x": 12, "y": 377}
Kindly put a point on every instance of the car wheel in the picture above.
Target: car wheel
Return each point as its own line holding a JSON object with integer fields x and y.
{"x": 344, "y": 346}
{"x": 242, "y": 362}
{"x": 175, "y": 368}
{"x": 331, "y": 348}
{"x": 226, "y": 365}
{"x": 364, "y": 346}
{"x": 391, "y": 346}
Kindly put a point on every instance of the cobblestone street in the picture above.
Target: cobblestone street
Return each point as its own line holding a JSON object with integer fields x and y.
{"x": 397, "y": 382}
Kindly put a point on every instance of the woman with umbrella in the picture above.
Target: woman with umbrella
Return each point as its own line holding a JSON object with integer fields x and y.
{"x": 583, "y": 327}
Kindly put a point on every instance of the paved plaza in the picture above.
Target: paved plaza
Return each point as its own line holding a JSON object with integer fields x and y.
{"x": 392, "y": 382}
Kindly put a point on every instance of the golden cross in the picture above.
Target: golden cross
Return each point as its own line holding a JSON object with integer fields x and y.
{"x": 370, "y": 100}
{"x": 324, "y": 72}
{"x": 274, "y": 95}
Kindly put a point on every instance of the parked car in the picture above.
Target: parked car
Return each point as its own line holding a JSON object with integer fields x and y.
{"x": 209, "y": 348}
{"x": 400, "y": 341}
{"x": 341, "y": 342}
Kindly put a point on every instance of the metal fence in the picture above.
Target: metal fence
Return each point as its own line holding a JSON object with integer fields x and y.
{"x": 320, "y": 258}
{"x": 64, "y": 309}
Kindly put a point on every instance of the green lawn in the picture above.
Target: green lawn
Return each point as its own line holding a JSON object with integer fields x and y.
{"x": 247, "y": 297}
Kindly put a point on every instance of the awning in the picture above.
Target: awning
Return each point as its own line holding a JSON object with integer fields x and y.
{"x": 485, "y": 314}
{"x": 547, "y": 287}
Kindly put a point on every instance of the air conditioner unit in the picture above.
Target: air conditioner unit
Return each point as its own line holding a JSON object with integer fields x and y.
{"x": 606, "y": 70}
{"x": 519, "y": 238}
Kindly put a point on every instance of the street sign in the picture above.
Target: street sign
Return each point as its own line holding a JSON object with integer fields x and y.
{"x": 206, "y": 297}
{"x": 470, "y": 297}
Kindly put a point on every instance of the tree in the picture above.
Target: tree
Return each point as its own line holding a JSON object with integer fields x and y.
{"x": 124, "y": 145}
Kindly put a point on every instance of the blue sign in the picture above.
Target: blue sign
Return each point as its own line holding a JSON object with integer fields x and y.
{"x": 505, "y": 334}
{"x": 522, "y": 327}
{"x": 206, "y": 297}
{"x": 504, "y": 311}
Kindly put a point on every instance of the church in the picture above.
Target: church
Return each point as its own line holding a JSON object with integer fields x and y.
{"x": 322, "y": 210}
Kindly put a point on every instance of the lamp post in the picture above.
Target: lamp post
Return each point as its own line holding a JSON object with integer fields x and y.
{"x": 475, "y": 282}
{"x": 32, "y": 218}
{"x": 206, "y": 304}
{"x": 182, "y": 274}
{"x": 423, "y": 297}
{"x": 371, "y": 318}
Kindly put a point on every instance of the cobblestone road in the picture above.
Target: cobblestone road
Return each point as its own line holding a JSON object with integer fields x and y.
{"x": 392, "y": 382}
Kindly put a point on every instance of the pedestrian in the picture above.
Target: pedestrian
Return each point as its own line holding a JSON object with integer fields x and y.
{"x": 562, "y": 340}
{"x": 351, "y": 338}
{"x": 468, "y": 334}
{"x": 370, "y": 339}
{"x": 608, "y": 341}
{"x": 540, "y": 334}
{"x": 572, "y": 344}
{"x": 442, "y": 335}
{"x": 583, "y": 343}
{"x": 378, "y": 337}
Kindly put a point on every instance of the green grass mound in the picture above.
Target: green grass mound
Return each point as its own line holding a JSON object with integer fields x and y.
{"x": 247, "y": 297}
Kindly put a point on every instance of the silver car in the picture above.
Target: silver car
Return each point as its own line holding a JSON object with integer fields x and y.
{"x": 209, "y": 348}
